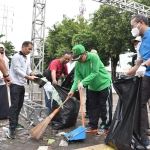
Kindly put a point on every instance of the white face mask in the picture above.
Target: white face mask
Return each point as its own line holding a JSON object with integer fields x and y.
{"x": 136, "y": 48}
{"x": 135, "y": 32}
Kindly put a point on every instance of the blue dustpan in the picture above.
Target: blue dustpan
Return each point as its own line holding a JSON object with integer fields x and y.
{"x": 77, "y": 134}
{"x": 80, "y": 132}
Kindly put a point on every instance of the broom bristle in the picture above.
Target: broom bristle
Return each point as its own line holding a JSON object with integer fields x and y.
{"x": 38, "y": 130}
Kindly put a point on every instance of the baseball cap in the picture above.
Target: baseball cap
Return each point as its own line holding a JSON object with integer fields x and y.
{"x": 138, "y": 38}
{"x": 77, "y": 51}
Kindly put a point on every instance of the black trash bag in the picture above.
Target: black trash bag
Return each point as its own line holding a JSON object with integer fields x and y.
{"x": 67, "y": 115}
{"x": 69, "y": 80}
{"x": 125, "y": 128}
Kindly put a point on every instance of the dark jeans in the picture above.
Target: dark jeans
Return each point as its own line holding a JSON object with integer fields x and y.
{"x": 144, "y": 115}
{"x": 17, "y": 99}
{"x": 48, "y": 102}
{"x": 100, "y": 103}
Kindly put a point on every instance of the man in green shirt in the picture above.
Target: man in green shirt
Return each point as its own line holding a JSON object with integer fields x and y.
{"x": 91, "y": 73}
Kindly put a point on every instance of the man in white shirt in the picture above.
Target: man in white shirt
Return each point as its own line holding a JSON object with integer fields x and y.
{"x": 70, "y": 65}
{"x": 19, "y": 72}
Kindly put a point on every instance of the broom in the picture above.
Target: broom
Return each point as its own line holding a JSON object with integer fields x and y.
{"x": 82, "y": 115}
{"x": 38, "y": 130}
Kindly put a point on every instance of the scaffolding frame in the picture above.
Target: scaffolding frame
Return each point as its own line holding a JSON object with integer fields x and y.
{"x": 37, "y": 38}
{"x": 128, "y": 5}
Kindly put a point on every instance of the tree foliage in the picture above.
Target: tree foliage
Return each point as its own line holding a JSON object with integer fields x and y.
{"x": 60, "y": 37}
{"x": 9, "y": 48}
{"x": 112, "y": 27}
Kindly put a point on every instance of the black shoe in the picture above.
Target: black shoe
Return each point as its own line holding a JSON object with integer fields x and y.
{"x": 11, "y": 134}
{"x": 19, "y": 127}
{"x": 145, "y": 142}
{"x": 91, "y": 130}
{"x": 86, "y": 116}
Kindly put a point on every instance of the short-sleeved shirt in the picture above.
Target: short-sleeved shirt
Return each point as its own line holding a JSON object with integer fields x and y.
{"x": 58, "y": 67}
{"x": 145, "y": 49}
{"x": 139, "y": 56}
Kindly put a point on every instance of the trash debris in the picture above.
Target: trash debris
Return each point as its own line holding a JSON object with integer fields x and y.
{"x": 44, "y": 148}
{"x": 45, "y": 139}
{"x": 31, "y": 123}
{"x": 39, "y": 118}
{"x": 3, "y": 136}
{"x": 50, "y": 141}
{"x": 63, "y": 143}
{"x": 61, "y": 133}
{"x": 4, "y": 124}
{"x": 5, "y": 129}
{"x": 24, "y": 133}
{"x": 23, "y": 137}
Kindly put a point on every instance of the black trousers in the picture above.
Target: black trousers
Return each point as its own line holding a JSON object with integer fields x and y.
{"x": 145, "y": 95}
{"x": 100, "y": 102}
{"x": 17, "y": 99}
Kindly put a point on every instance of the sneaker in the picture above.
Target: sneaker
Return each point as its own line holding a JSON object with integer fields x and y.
{"x": 19, "y": 127}
{"x": 145, "y": 142}
{"x": 91, "y": 130}
{"x": 102, "y": 132}
{"x": 11, "y": 134}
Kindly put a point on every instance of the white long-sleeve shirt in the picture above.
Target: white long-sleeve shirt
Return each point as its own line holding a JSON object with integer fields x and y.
{"x": 19, "y": 68}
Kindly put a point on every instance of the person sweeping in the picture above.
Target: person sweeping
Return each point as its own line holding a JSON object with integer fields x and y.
{"x": 91, "y": 73}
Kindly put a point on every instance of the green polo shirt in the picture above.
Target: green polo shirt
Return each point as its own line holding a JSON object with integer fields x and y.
{"x": 91, "y": 73}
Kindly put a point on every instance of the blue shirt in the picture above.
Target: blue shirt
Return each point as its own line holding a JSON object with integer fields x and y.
{"x": 145, "y": 49}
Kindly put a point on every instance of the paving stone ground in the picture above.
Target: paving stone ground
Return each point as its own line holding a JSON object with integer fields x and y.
{"x": 25, "y": 142}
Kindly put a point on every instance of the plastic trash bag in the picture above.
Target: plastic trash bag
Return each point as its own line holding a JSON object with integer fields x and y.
{"x": 52, "y": 93}
{"x": 125, "y": 127}
{"x": 69, "y": 80}
{"x": 67, "y": 115}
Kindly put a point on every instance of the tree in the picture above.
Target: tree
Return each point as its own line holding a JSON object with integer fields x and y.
{"x": 9, "y": 48}
{"x": 113, "y": 31}
{"x": 60, "y": 36}
{"x": 88, "y": 38}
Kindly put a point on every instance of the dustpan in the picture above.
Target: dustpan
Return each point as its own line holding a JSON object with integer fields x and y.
{"x": 80, "y": 132}
{"x": 77, "y": 134}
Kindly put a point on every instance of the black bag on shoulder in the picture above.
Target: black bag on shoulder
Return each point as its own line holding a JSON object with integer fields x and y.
{"x": 47, "y": 74}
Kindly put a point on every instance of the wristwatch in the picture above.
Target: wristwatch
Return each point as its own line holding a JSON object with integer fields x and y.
{"x": 6, "y": 76}
{"x": 144, "y": 65}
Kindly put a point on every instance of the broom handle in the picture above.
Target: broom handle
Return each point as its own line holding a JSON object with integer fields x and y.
{"x": 56, "y": 110}
{"x": 82, "y": 115}
{"x": 63, "y": 102}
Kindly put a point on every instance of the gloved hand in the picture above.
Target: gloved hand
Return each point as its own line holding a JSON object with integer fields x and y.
{"x": 141, "y": 71}
{"x": 80, "y": 86}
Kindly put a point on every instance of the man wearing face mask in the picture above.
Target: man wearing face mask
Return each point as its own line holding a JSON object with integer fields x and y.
{"x": 137, "y": 43}
{"x": 139, "y": 24}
